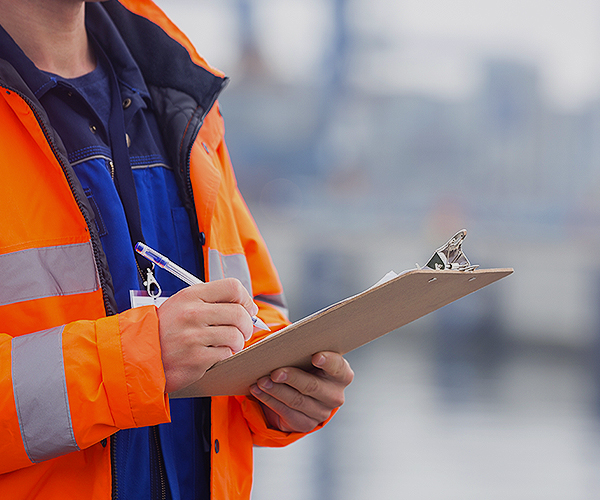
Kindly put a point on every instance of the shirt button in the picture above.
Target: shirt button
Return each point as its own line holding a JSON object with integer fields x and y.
{"x": 216, "y": 446}
{"x": 128, "y": 140}
{"x": 126, "y": 103}
{"x": 93, "y": 129}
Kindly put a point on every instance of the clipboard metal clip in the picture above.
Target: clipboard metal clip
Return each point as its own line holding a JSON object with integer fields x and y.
{"x": 451, "y": 256}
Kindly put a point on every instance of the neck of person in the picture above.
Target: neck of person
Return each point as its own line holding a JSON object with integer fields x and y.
{"x": 51, "y": 33}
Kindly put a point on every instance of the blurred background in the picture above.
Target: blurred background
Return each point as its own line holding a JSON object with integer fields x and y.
{"x": 365, "y": 133}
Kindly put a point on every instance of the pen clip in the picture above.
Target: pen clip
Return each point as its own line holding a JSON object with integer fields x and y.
{"x": 152, "y": 286}
{"x": 451, "y": 255}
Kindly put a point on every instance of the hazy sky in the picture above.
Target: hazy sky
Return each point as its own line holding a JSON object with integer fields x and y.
{"x": 426, "y": 45}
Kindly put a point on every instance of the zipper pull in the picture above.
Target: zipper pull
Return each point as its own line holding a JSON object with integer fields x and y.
{"x": 152, "y": 286}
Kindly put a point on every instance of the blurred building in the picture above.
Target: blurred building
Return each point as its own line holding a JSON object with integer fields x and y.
{"x": 348, "y": 181}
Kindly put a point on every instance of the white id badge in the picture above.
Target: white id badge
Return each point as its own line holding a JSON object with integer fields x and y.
{"x": 140, "y": 298}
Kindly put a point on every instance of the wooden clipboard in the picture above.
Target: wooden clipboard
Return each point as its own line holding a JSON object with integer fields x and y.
{"x": 344, "y": 326}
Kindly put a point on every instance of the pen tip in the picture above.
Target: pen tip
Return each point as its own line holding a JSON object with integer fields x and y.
{"x": 260, "y": 324}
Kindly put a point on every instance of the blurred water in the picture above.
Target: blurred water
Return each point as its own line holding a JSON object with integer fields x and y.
{"x": 414, "y": 428}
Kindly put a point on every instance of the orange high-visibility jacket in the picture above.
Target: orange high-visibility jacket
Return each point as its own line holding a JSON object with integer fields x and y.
{"x": 72, "y": 372}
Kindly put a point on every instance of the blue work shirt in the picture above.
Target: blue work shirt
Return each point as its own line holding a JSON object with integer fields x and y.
{"x": 79, "y": 109}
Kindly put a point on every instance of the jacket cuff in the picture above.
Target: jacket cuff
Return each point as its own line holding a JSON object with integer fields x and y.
{"x": 262, "y": 434}
{"x": 129, "y": 347}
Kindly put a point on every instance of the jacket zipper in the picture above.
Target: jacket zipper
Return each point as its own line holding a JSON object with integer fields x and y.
{"x": 188, "y": 185}
{"x": 114, "y": 495}
{"x": 188, "y": 180}
{"x": 111, "y": 167}
{"x": 158, "y": 473}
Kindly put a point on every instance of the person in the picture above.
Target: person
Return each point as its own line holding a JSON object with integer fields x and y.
{"x": 111, "y": 134}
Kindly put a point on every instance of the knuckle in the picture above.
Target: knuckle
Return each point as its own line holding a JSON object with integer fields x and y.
{"x": 189, "y": 292}
{"x": 338, "y": 400}
{"x": 239, "y": 344}
{"x": 189, "y": 313}
{"x": 312, "y": 385}
{"x": 297, "y": 401}
{"x": 235, "y": 286}
{"x": 234, "y": 339}
{"x": 350, "y": 376}
{"x": 343, "y": 372}
{"x": 341, "y": 365}
{"x": 241, "y": 319}
{"x": 240, "y": 315}
{"x": 222, "y": 354}
{"x": 347, "y": 373}
{"x": 306, "y": 424}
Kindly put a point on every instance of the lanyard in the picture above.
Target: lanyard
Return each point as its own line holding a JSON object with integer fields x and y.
{"x": 124, "y": 181}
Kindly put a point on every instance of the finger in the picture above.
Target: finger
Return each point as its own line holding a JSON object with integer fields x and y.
{"x": 225, "y": 290}
{"x": 223, "y": 336}
{"x": 198, "y": 314}
{"x": 285, "y": 418}
{"x": 318, "y": 386}
{"x": 293, "y": 399}
{"x": 228, "y": 314}
{"x": 335, "y": 366}
{"x": 191, "y": 348}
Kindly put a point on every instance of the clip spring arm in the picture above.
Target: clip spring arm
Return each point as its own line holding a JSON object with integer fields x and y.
{"x": 451, "y": 255}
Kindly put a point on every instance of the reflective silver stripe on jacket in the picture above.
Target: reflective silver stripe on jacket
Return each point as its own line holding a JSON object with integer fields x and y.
{"x": 40, "y": 390}
{"x": 38, "y": 273}
{"x": 276, "y": 301}
{"x": 229, "y": 266}
{"x": 236, "y": 266}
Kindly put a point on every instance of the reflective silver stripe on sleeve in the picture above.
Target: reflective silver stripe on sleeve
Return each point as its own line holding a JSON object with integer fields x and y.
{"x": 38, "y": 273}
{"x": 40, "y": 390}
{"x": 236, "y": 266}
{"x": 276, "y": 301}
{"x": 229, "y": 266}
{"x": 215, "y": 269}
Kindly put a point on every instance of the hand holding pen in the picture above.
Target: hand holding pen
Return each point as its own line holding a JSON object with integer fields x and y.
{"x": 177, "y": 271}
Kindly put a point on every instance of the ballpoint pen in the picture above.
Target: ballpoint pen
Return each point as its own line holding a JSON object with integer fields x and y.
{"x": 185, "y": 276}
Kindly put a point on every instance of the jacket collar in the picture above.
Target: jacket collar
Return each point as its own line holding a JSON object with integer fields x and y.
{"x": 164, "y": 62}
